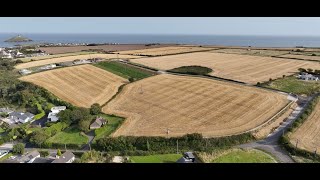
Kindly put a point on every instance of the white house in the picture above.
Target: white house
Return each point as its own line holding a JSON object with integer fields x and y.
{"x": 19, "y": 55}
{"x": 20, "y": 117}
{"x": 24, "y": 71}
{"x": 308, "y": 77}
{"x": 54, "y": 111}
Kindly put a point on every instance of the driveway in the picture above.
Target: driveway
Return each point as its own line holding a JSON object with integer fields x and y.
{"x": 41, "y": 122}
{"x": 270, "y": 144}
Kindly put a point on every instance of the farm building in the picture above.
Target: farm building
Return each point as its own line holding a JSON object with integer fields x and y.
{"x": 98, "y": 123}
{"x": 308, "y": 77}
{"x": 20, "y": 117}
{"x": 54, "y": 111}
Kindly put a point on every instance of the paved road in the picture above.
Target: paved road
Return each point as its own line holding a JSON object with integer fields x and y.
{"x": 270, "y": 144}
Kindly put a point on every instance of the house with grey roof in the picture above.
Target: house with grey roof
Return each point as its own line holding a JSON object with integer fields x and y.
{"x": 67, "y": 157}
{"x": 20, "y": 117}
{"x": 98, "y": 123}
{"x": 53, "y": 115}
{"x": 29, "y": 157}
{"x": 308, "y": 77}
{"x": 188, "y": 157}
{"x": 43, "y": 160}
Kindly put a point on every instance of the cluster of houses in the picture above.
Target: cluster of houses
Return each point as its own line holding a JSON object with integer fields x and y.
{"x": 10, "y": 53}
{"x": 14, "y": 117}
{"x": 307, "y": 77}
{"x": 34, "y": 157}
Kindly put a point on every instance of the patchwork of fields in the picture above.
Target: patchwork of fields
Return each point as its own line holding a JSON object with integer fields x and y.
{"x": 244, "y": 68}
{"x": 308, "y": 134}
{"x": 165, "y": 50}
{"x": 191, "y": 105}
{"x": 80, "y": 85}
{"x": 71, "y": 58}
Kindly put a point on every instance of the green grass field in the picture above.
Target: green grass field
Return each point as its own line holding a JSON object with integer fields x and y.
{"x": 196, "y": 70}
{"x": 124, "y": 70}
{"x": 69, "y": 136}
{"x": 113, "y": 123}
{"x": 294, "y": 85}
{"x": 27, "y": 59}
{"x": 160, "y": 158}
{"x": 245, "y": 156}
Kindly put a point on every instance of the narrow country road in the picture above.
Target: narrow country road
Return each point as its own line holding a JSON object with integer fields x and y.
{"x": 270, "y": 144}
{"x": 90, "y": 136}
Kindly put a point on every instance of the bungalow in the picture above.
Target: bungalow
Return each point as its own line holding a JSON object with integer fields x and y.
{"x": 98, "y": 123}
{"x": 54, "y": 111}
{"x": 67, "y": 157}
{"x": 308, "y": 77}
{"x": 20, "y": 117}
{"x": 29, "y": 158}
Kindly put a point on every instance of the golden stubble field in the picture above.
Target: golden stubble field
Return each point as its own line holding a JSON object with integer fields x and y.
{"x": 166, "y": 50}
{"x": 244, "y": 68}
{"x": 191, "y": 105}
{"x": 80, "y": 85}
{"x": 308, "y": 134}
{"x": 71, "y": 58}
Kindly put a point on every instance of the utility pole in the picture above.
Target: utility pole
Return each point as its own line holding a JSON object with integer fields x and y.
{"x": 177, "y": 146}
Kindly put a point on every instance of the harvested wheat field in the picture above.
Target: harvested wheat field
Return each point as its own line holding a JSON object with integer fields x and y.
{"x": 106, "y": 48}
{"x": 165, "y": 50}
{"x": 273, "y": 125}
{"x": 304, "y": 57}
{"x": 79, "y": 85}
{"x": 244, "y": 68}
{"x": 256, "y": 52}
{"x": 308, "y": 133}
{"x": 192, "y": 105}
{"x": 71, "y": 58}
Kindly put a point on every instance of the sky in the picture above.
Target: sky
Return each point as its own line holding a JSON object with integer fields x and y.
{"x": 291, "y": 26}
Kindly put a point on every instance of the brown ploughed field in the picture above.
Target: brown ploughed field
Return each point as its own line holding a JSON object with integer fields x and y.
{"x": 79, "y": 85}
{"x": 192, "y": 105}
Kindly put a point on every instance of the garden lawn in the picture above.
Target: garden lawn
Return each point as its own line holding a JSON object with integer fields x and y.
{"x": 160, "y": 158}
{"x": 69, "y": 136}
{"x": 6, "y": 157}
{"x": 124, "y": 70}
{"x": 294, "y": 85}
{"x": 245, "y": 156}
{"x": 113, "y": 123}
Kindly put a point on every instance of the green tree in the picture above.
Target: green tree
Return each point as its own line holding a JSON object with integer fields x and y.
{"x": 65, "y": 116}
{"x": 310, "y": 70}
{"x": 44, "y": 153}
{"x": 79, "y": 114}
{"x": 317, "y": 72}
{"x": 59, "y": 153}
{"x": 38, "y": 137}
{"x": 131, "y": 79}
{"x": 95, "y": 109}
{"x": 18, "y": 148}
{"x": 302, "y": 70}
{"x": 84, "y": 124}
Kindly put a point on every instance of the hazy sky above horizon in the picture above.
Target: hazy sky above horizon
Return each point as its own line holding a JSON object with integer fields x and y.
{"x": 291, "y": 26}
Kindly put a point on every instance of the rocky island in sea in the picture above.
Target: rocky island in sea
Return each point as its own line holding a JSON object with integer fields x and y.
{"x": 18, "y": 38}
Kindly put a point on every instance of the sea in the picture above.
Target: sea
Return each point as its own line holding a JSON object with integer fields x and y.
{"x": 224, "y": 40}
